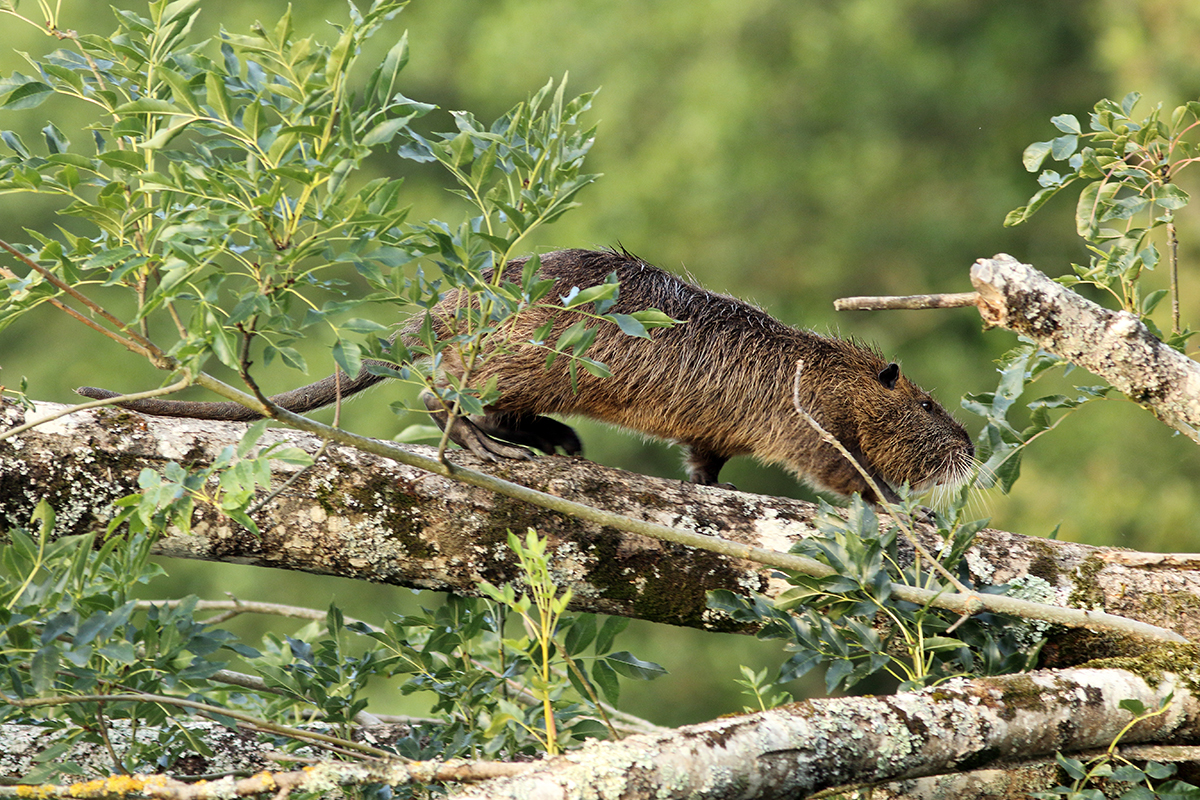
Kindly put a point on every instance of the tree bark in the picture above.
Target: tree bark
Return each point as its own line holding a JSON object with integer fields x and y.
{"x": 1112, "y": 344}
{"x": 360, "y": 516}
{"x": 802, "y": 748}
{"x": 969, "y": 731}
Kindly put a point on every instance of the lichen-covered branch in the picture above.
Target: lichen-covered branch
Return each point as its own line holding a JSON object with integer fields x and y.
{"x": 798, "y": 749}
{"x": 239, "y": 764}
{"x": 360, "y": 516}
{"x": 962, "y": 726}
{"x": 1112, "y": 344}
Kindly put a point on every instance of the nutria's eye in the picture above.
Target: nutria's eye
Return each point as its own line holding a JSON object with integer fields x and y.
{"x": 927, "y": 405}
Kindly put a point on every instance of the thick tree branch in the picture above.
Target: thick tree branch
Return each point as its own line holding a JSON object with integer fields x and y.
{"x": 968, "y": 727}
{"x": 798, "y": 749}
{"x": 360, "y": 516}
{"x": 1112, "y": 344}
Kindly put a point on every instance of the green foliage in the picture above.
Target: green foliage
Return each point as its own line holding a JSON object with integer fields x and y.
{"x": 1002, "y": 441}
{"x": 71, "y": 634}
{"x": 850, "y": 624}
{"x": 69, "y": 628}
{"x": 1112, "y": 775}
{"x": 1129, "y": 170}
{"x": 760, "y": 688}
{"x": 218, "y": 182}
{"x": 239, "y": 471}
{"x": 543, "y": 614}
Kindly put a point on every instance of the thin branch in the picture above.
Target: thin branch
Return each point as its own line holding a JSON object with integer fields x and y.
{"x": 312, "y": 737}
{"x": 61, "y": 306}
{"x": 316, "y": 779}
{"x": 146, "y": 347}
{"x": 912, "y": 301}
{"x": 1173, "y": 257}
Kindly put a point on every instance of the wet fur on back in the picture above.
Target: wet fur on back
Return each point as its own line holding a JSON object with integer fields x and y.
{"x": 721, "y": 383}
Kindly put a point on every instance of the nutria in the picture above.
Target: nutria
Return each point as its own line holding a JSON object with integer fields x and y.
{"x": 720, "y": 383}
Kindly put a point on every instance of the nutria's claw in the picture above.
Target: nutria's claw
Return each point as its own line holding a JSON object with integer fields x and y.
{"x": 467, "y": 436}
{"x": 543, "y": 433}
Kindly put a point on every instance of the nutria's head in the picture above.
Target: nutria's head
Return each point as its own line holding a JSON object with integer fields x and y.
{"x": 907, "y": 437}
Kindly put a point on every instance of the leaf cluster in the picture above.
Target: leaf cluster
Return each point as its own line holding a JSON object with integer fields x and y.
{"x": 1112, "y": 775}
{"x": 69, "y": 628}
{"x": 543, "y": 615}
{"x": 1002, "y": 441}
{"x": 71, "y": 633}
{"x": 850, "y": 624}
{"x": 219, "y": 187}
{"x": 1128, "y": 169}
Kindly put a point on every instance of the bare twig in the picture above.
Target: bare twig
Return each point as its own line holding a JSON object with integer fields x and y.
{"x": 1173, "y": 257}
{"x": 912, "y": 301}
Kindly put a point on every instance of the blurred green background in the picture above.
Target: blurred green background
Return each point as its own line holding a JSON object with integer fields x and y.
{"x": 787, "y": 152}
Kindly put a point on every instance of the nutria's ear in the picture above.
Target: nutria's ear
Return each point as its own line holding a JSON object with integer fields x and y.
{"x": 889, "y": 375}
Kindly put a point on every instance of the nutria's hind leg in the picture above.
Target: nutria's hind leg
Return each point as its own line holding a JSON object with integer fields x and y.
{"x": 544, "y": 433}
{"x": 468, "y": 436}
{"x": 704, "y": 465}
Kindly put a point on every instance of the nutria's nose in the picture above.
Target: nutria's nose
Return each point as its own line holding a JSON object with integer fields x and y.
{"x": 971, "y": 449}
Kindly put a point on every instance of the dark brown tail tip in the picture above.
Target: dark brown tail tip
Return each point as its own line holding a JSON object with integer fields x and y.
{"x": 94, "y": 393}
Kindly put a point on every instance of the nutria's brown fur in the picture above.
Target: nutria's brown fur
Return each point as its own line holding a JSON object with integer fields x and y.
{"x": 720, "y": 383}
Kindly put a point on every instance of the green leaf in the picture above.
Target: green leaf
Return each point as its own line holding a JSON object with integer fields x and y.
{"x": 147, "y": 105}
{"x": 605, "y": 677}
{"x": 181, "y": 89}
{"x": 1067, "y": 123}
{"x": 1034, "y": 155}
{"x": 1062, "y": 147}
{"x": 625, "y": 663}
{"x": 348, "y": 356}
{"x": 629, "y": 325}
{"x": 1171, "y": 197}
{"x": 27, "y": 95}
{"x": 1019, "y": 215}
{"x": 608, "y": 632}
{"x": 1129, "y": 101}
{"x": 1152, "y": 300}
{"x": 43, "y": 668}
{"x": 14, "y": 142}
{"x": 164, "y": 136}
{"x": 124, "y": 159}
{"x": 56, "y": 142}
{"x": 218, "y": 100}
{"x": 1133, "y": 706}
{"x": 1073, "y": 767}
{"x": 580, "y": 634}
{"x": 385, "y": 131}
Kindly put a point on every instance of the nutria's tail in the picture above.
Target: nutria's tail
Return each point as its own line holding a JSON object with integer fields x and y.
{"x": 306, "y": 398}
